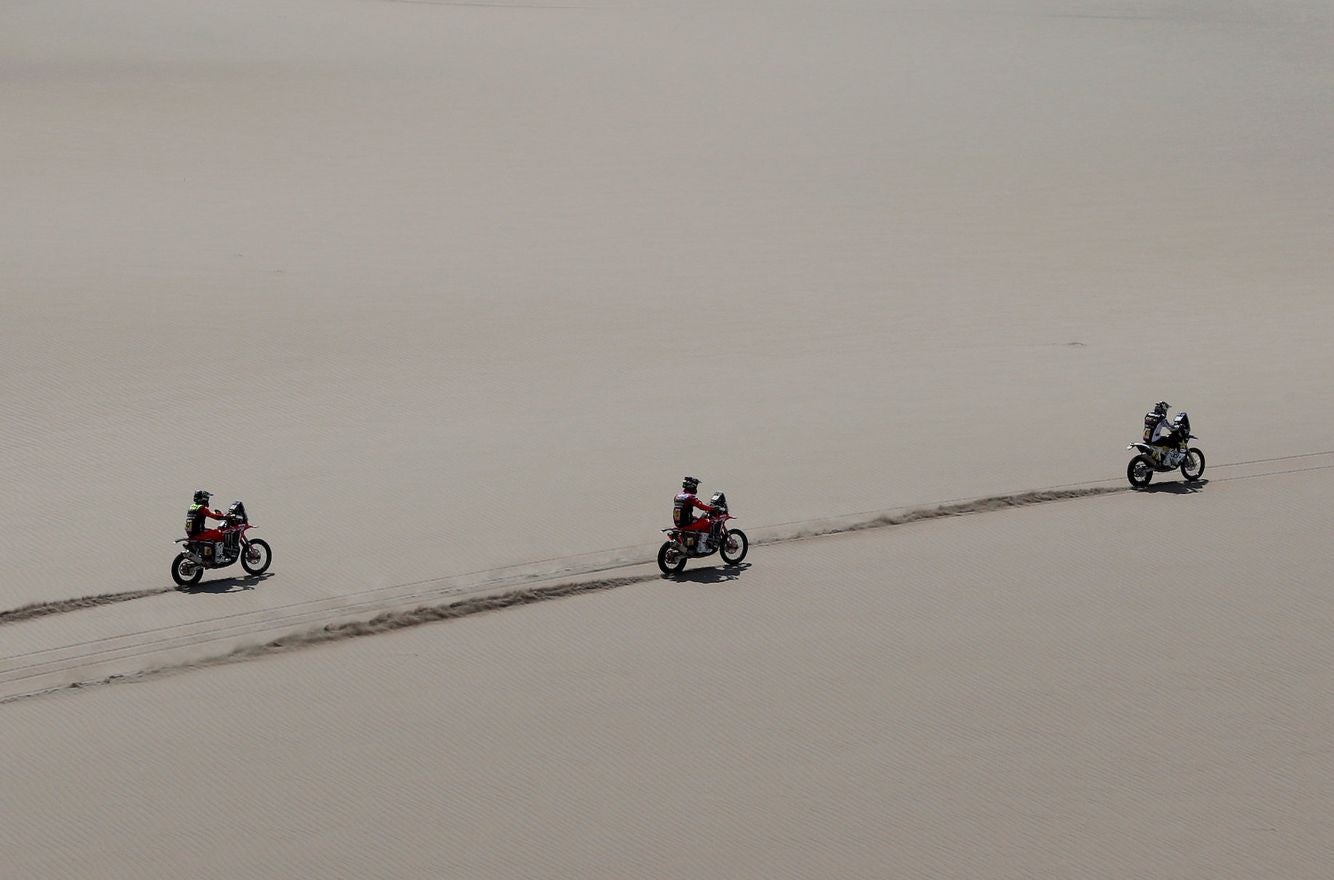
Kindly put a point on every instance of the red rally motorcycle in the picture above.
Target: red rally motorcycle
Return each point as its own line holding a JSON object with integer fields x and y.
{"x": 188, "y": 567}
{"x": 683, "y": 544}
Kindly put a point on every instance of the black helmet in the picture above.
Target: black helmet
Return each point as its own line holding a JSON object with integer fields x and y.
{"x": 202, "y": 496}
{"x": 1161, "y": 407}
{"x": 690, "y": 484}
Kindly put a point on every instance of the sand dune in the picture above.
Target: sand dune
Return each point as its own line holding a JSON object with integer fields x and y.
{"x": 192, "y": 642}
{"x": 49, "y": 661}
{"x": 1114, "y": 686}
{"x": 438, "y": 291}
{"x": 452, "y": 295}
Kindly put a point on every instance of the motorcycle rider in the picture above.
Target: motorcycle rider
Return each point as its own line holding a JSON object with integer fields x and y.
{"x": 684, "y": 506}
{"x": 1168, "y": 439}
{"x": 196, "y": 522}
{"x": 1157, "y": 429}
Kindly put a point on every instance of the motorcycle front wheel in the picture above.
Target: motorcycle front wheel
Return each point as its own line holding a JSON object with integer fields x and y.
{"x": 184, "y": 572}
{"x": 256, "y": 556}
{"x": 1139, "y": 471}
{"x": 736, "y": 546}
{"x": 671, "y": 559}
{"x": 1193, "y": 467}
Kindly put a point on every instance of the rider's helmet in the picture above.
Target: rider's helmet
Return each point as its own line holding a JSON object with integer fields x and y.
{"x": 1160, "y": 408}
{"x": 202, "y": 496}
{"x": 690, "y": 484}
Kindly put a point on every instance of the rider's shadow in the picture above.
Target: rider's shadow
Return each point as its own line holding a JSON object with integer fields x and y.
{"x": 229, "y": 585}
{"x": 710, "y": 575}
{"x": 1176, "y": 488}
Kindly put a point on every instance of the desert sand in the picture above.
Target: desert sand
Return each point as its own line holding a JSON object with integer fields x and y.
{"x": 453, "y": 294}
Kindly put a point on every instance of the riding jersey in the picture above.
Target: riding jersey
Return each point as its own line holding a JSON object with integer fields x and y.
{"x": 196, "y": 518}
{"x": 1161, "y": 432}
{"x": 684, "y": 506}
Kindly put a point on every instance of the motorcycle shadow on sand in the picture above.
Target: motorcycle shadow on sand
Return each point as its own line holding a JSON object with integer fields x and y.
{"x": 719, "y": 575}
{"x": 1176, "y": 488}
{"x": 227, "y": 585}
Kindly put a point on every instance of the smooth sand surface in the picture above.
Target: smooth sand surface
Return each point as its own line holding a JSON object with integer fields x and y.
{"x": 453, "y": 294}
{"x": 1028, "y": 693}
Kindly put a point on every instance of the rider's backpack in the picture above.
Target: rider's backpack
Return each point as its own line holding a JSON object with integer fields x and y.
{"x": 194, "y": 521}
{"x": 683, "y": 513}
{"x": 1151, "y": 420}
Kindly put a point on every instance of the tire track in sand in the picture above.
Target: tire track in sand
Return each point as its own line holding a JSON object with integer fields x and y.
{"x": 246, "y": 635}
{"x": 61, "y": 606}
{"x": 782, "y": 531}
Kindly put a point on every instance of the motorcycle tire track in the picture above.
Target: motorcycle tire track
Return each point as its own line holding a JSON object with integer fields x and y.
{"x": 872, "y": 519}
{"x": 862, "y": 522}
{"x": 60, "y": 606}
{"x": 804, "y": 529}
{"x": 390, "y": 621}
{"x": 315, "y": 615}
{"x": 387, "y": 618}
{"x": 384, "y": 622}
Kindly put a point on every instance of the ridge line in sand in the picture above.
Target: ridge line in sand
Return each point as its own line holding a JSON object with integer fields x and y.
{"x": 486, "y": 597}
{"x": 857, "y": 521}
{"x": 389, "y": 620}
{"x": 606, "y": 558}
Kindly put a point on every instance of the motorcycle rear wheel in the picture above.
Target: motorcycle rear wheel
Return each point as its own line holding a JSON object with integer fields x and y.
{"x": 1190, "y": 473}
{"x": 261, "y": 549}
{"x": 182, "y": 564}
{"x": 1140, "y": 471}
{"x": 671, "y": 558}
{"x": 735, "y": 538}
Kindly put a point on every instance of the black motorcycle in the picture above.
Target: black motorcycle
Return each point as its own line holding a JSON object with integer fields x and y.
{"x": 1157, "y": 459}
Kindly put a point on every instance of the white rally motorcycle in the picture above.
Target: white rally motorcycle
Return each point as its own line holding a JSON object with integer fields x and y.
{"x": 1152, "y": 459}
